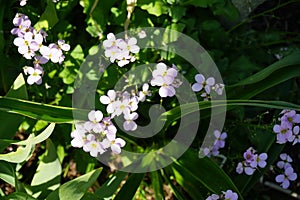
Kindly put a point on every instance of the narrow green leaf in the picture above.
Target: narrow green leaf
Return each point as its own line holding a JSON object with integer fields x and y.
{"x": 157, "y": 185}
{"x": 48, "y": 173}
{"x": 130, "y": 187}
{"x": 108, "y": 189}
{"x": 175, "y": 190}
{"x": 39, "y": 111}
{"x": 75, "y": 189}
{"x": 290, "y": 60}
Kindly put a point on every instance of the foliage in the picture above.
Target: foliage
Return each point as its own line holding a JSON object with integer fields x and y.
{"x": 259, "y": 66}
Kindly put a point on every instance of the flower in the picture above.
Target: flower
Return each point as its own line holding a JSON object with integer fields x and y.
{"x": 284, "y": 133}
{"x": 296, "y": 135}
{"x": 164, "y": 77}
{"x": 145, "y": 92}
{"x": 95, "y": 117}
{"x": 51, "y": 53}
{"x": 35, "y": 75}
{"x": 115, "y": 144}
{"x": 220, "y": 138}
{"x": 229, "y": 195}
{"x": 285, "y": 161}
{"x": 109, "y": 100}
{"x": 213, "y": 197}
{"x": 201, "y": 83}
{"x": 284, "y": 179}
{"x": 129, "y": 124}
{"x": 93, "y": 146}
{"x": 26, "y": 45}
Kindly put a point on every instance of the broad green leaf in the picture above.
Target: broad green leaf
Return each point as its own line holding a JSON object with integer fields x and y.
{"x": 200, "y": 3}
{"x": 48, "y": 173}
{"x": 129, "y": 189}
{"x": 19, "y": 196}
{"x": 204, "y": 171}
{"x": 156, "y": 8}
{"x": 111, "y": 185}
{"x": 10, "y": 122}
{"x": 49, "y": 18}
{"x": 7, "y": 172}
{"x": 49, "y": 113}
{"x": 75, "y": 189}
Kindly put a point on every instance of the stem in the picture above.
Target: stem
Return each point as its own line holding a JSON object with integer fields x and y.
{"x": 91, "y": 16}
{"x": 260, "y": 14}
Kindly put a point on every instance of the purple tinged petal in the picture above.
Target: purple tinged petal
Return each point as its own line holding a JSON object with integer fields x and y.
{"x": 210, "y": 81}
{"x": 279, "y": 178}
{"x": 199, "y": 78}
{"x": 196, "y": 87}
{"x": 116, "y": 149}
{"x": 285, "y": 184}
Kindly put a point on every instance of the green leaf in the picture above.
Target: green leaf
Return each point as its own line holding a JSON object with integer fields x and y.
{"x": 111, "y": 185}
{"x": 48, "y": 173}
{"x": 10, "y": 122}
{"x": 19, "y": 196}
{"x": 175, "y": 190}
{"x": 75, "y": 189}
{"x": 157, "y": 185}
{"x": 130, "y": 187}
{"x": 200, "y": 3}
{"x": 49, "y": 18}
{"x": 290, "y": 60}
{"x": 156, "y": 8}
{"x": 40, "y": 111}
{"x": 21, "y": 154}
{"x": 172, "y": 36}
{"x": 7, "y": 172}
{"x": 204, "y": 171}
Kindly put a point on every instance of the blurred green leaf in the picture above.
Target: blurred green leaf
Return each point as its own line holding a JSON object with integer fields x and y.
{"x": 129, "y": 189}
{"x": 49, "y": 18}
{"x": 75, "y": 189}
{"x": 48, "y": 173}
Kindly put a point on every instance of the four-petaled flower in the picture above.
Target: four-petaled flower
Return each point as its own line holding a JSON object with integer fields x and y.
{"x": 286, "y": 177}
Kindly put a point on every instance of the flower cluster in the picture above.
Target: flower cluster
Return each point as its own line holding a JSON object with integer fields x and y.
{"x": 120, "y": 50}
{"x": 218, "y": 144}
{"x": 207, "y": 85}
{"x": 252, "y": 160}
{"x": 125, "y": 103}
{"x": 97, "y": 135}
{"x": 288, "y": 173}
{"x": 30, "y": 44}
{"x": 165, "y": 78}
{"x": 228, "y": 195}
{"x": 288, "y": 129}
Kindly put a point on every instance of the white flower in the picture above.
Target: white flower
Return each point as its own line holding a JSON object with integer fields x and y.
{"x": 129, "y": 124}
{"x": 35, "y": 74}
